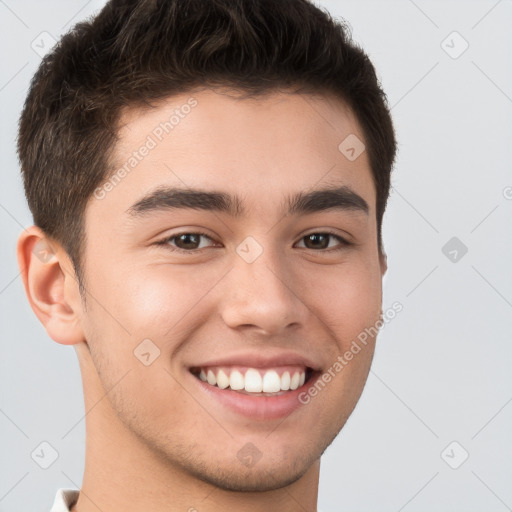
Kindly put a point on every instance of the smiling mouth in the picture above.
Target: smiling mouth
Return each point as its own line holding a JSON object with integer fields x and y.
{"x": 273, "y": 381}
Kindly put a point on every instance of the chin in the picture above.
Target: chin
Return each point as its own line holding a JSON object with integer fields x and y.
{"x": 260, "y": 479}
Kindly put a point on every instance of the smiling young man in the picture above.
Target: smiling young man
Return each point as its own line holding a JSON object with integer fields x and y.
{"x": 208, "y": 180}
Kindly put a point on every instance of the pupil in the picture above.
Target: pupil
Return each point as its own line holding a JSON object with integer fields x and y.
{"x": 316, "y": 238}
{"x": 187, "y": 237}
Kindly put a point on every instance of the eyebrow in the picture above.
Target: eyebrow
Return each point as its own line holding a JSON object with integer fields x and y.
{"x": 340, "y": 198}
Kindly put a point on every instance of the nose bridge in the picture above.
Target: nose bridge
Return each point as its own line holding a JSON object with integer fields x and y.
{"x": 260, "y": 293}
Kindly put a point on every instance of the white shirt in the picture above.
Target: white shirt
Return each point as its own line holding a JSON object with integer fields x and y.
{"x": 64, "y": 500}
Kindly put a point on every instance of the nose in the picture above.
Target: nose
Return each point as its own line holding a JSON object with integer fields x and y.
{"x": 263, "y": 296}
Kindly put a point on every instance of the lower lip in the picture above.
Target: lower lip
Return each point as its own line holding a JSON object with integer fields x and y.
{"x": 258, "y": 407}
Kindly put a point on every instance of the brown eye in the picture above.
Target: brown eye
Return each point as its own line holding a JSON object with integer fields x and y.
{"x": 317, "y": 241}
{"x": 321, "y": 241}
{"x": 186, "y": 242}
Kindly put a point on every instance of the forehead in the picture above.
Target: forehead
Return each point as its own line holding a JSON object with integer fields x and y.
{"x": 262, "y": 147}
{"x": 210, "y": 115}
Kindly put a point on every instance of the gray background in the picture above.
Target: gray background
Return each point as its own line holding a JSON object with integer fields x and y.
{"x": 442, "y": 367}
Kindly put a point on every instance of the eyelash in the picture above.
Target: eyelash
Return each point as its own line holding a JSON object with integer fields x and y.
{"x": 165, "y": 242}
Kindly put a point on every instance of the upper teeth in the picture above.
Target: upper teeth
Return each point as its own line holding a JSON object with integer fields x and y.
{"x": 254, "y": 380}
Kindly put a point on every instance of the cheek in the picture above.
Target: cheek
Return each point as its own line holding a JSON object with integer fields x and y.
{"x": 149, "y": 301}
{"x": 167, "y": 298}
{"x": 346, "y": 298}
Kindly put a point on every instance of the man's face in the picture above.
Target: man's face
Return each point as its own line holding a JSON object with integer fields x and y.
{"x": 253, "y": 293}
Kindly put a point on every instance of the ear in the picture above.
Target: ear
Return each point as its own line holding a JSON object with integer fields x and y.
{"x": 383, "y": 258}
{"x": 51, "y": 285}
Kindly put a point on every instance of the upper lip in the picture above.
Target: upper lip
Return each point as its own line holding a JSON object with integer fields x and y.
{"x": 260, "y": 360}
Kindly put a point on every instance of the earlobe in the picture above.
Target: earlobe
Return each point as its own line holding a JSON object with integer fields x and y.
{"x": 45, "y": 270}
{"x": 383, "y": 262}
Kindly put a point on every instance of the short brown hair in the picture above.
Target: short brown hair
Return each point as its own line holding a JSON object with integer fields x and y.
{"x": 135, "y": 52}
